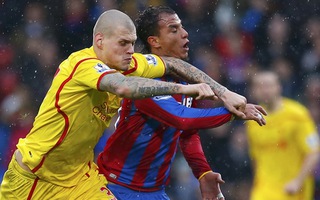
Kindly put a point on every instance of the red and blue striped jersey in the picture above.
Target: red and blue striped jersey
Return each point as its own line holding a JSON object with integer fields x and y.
{"x": 139, "y": 154}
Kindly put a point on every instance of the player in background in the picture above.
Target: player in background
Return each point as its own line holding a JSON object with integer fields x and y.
{"x": 55, "y": 160}
{"x": 137, "y": 157}
{"x": 286, "y": 150}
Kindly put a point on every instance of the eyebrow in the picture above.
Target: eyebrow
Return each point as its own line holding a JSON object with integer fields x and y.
{"x": 166, "y": 21}
{"x": 174, "y": 25}
{"x": 126, "y": 40}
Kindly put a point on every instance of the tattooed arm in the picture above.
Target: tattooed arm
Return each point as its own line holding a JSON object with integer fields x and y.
{"x": 137, "y": 87}
{"x": 234, "y": 102}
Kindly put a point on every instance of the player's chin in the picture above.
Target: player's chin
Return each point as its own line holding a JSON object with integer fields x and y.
{"x": 184, "y": 56}
{"x": 124, "y": 66}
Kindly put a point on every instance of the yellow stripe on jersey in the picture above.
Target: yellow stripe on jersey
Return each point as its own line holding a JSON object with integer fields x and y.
{"x": 73, "y": 116}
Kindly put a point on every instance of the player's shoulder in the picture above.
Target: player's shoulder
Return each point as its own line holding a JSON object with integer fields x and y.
{"x": 295, "y": 108}
{"x": 150, "y": 58}
{"x": 146, "y": 65}
{"x": 82, "y": 55}
{"x": 293, "y": 105}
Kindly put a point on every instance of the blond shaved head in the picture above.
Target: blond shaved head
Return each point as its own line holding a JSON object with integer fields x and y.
{"x": 114, "y": 36}
{"x": 111, "y": 20}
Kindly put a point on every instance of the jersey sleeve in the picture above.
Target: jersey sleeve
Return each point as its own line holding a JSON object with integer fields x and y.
{"x": 191, "y": 148}
{"x": 89, "y": 72}
{"x": 146, "y": 65}
{"x": 167, "y": 110}
{"x": 306, "y": 134}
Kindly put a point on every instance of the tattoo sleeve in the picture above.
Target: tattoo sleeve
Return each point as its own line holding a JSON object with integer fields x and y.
{"x": 189, "y": 73}
{"x": 137, "y": 87}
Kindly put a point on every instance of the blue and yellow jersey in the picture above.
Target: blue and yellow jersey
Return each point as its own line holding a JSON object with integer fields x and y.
{"x": 74, "y": 114}
{"x": 278, "y": 150}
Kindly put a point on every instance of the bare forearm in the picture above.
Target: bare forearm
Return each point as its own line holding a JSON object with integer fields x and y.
{"x": 137, "y": 88}
{"x": 234, "y": 102}
{"x": 309, "y": 165}
{"x": 191, "y": 74}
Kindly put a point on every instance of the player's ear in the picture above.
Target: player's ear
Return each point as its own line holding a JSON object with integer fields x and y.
{"x": 98, "y": 40}
{"x": 153, "y": 41}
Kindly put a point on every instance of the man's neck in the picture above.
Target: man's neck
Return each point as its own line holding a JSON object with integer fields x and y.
{"x": 275, "y": 105}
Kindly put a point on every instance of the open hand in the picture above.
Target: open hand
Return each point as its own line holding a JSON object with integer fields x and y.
{"x": 210, "y": 186}
{"x": 256, "y": 113}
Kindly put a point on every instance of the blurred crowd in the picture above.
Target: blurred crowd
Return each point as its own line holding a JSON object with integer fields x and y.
{"x": 229, "y": 40}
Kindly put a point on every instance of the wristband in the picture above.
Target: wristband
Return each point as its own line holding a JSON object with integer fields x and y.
{"x": 202, "y": 175}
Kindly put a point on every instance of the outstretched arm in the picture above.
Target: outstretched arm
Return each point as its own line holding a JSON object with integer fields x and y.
{"x": 167, "y": 110}
{"x": 234, "y": 102}
{"x": 137, "y": 87}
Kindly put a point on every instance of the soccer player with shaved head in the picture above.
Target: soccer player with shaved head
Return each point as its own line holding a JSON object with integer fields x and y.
{"x": 55, "y": 159}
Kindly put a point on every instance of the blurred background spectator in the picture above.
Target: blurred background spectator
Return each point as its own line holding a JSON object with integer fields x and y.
{"x": 285, "y": 152}
{"x": 229, "y": 40}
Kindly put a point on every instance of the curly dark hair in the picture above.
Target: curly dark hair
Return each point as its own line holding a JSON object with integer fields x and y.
{"x": 147, "y": 23}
